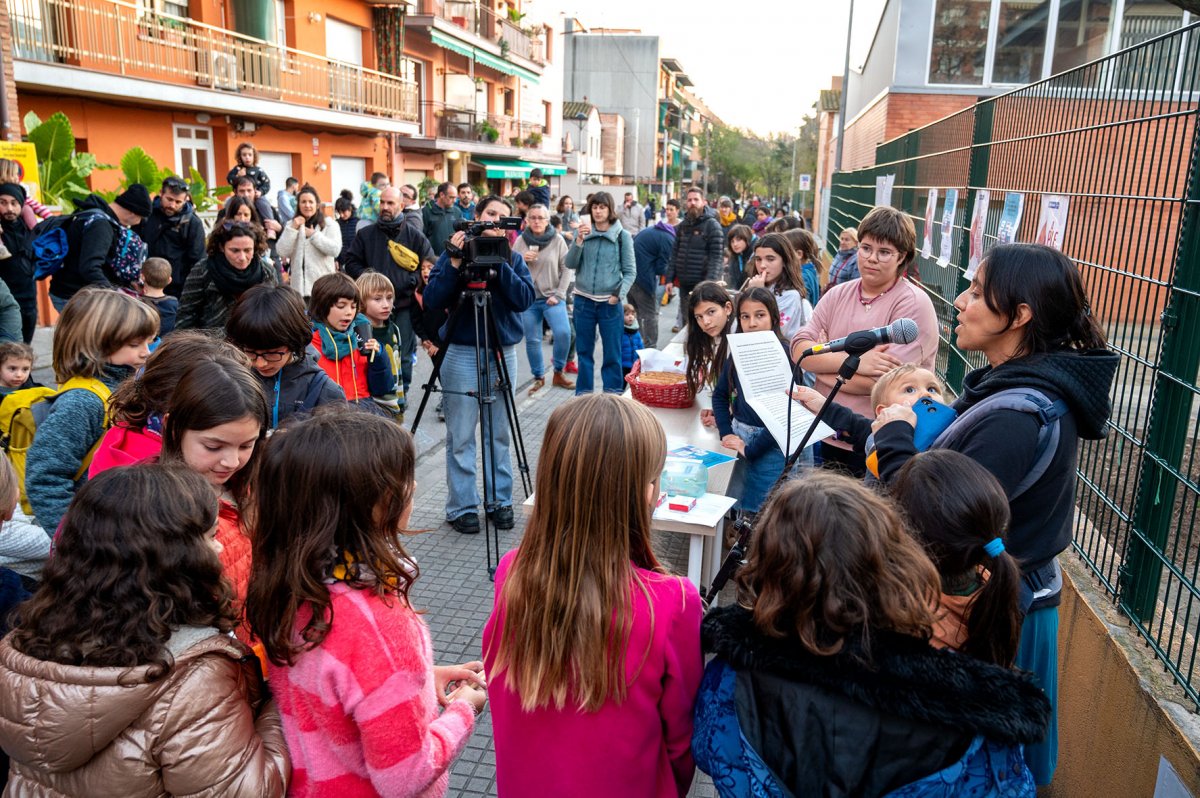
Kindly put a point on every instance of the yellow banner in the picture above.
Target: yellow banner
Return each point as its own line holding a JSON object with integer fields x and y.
{"x": 23, "y": 154}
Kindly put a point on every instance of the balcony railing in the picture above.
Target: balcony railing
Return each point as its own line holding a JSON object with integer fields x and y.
{"x": 485, "y": 23}
{"x": 121, "y": 38}
{"x": 462, "y": 124}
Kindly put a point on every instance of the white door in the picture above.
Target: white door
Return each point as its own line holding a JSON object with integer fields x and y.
{"x": 346, "y": 172}
{"x": 278, "y": 166}
{"x": 194, "y": 149}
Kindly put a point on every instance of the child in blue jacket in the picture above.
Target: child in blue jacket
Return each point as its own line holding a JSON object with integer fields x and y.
{"x": 631, "y": 340}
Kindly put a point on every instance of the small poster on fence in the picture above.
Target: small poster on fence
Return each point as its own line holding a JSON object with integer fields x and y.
{"x": 948, "y": 226}
{"x": 883, "y": 190}
{"x": 1010, "y": 218}
{"x": 979, "y": 220}
{"x": 1052, "y": 223}
{"x": 930, "y": 211}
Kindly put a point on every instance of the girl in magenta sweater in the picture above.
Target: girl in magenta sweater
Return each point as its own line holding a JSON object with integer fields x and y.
{"x": 352, "y": 660}
{"x": 592, "y": 649}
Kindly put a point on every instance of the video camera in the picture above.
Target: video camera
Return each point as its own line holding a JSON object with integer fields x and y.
{"x": 482, "y": 254}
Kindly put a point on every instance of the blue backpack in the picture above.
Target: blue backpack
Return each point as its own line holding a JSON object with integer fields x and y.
{"x": 50, "y": 246}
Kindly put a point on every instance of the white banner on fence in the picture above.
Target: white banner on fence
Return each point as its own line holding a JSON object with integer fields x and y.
{"x": 1010, "y": 218}
{"x": 948, "y": 226}
{"x": 979, "y": 220}
{"x": 883, "y": 189}
{"x": 1052, "y": 223}
{"x": 930, "y": 212}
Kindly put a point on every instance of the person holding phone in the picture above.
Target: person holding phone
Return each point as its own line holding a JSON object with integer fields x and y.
{"x": 311, "y": 242}
{"x": 603, "y": 261}
{"x": 545, "y": 254}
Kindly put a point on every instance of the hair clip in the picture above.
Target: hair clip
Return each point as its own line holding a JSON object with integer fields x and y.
{"x": 994, "y": 547}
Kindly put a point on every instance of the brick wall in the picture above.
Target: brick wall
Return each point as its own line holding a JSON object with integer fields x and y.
{"x": 894, "y": 115}
{"x": 13, "y": 133}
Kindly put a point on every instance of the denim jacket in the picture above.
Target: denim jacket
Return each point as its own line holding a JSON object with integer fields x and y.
{"x": 604, "y": 262}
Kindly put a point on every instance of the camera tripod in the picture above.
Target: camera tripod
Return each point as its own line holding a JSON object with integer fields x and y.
{"x": 492, "y": 378}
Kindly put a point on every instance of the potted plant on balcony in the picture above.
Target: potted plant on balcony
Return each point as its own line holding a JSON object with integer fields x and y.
{"x": 504, "y": 47}
{"x": 489, "y": 131}
{"x": 534, "y": 139}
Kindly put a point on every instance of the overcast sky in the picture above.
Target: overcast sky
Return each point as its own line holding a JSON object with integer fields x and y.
{"x": 760, "y": 70}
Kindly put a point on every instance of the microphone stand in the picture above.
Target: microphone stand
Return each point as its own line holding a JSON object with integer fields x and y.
{"x": 745, "y": 527}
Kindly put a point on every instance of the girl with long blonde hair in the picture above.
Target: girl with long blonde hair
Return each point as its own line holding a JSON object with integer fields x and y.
{"x": 592, "y": 650}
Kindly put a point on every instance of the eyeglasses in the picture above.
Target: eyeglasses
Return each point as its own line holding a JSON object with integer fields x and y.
{"x": 866, "y": 251}
{"x": 272, "y": 357}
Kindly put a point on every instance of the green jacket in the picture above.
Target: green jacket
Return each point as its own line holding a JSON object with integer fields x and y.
{"x": 604, "y": 264}
{"x": 439, "y": 224}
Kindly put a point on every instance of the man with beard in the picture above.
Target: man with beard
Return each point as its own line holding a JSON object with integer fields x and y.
{"x": 412, "y": 208}
{"x": 16, "y": 263}
{"x": 440, "y": 216}
{"x": 174, "y": 232}
{"x": 371, "y": 249}
{"x": 699, "y": 245}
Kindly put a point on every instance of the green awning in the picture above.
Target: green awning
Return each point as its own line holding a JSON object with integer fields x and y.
{"x": 549, "y": 169}
{"x": 480, "y": 56}
{"x": 507, "y": 67}
{"x": 504, "y": 167}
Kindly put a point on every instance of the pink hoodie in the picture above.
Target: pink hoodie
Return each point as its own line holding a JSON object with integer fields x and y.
{"x": 640, "y": 748}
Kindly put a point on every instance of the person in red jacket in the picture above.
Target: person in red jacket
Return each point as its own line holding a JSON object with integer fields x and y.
{"x": 342, "y": 336}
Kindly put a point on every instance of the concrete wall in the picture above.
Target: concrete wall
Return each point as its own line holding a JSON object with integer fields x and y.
{"x": 617, "y": 74}
{"x": 1118, "y": 711}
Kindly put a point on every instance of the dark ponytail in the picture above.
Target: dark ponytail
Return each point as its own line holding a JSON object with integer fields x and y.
{"x": 1048, "y": 282}
{"x": 958, "y": 511}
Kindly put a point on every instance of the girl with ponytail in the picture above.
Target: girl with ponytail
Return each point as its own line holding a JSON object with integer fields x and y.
{"x": 959, "y": 512}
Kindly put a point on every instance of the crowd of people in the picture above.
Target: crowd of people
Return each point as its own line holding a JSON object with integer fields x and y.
{"x": 214, "y": 499}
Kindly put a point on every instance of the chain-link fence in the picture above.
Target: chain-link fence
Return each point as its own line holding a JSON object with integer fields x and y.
{"x": 1118, "y": 139}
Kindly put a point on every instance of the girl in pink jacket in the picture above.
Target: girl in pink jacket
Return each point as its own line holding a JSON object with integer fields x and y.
{"x": 592, "y": 650}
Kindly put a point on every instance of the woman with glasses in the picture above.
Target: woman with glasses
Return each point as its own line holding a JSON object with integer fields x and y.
{"x": 234, "y": 264}
{"x": 880, "y": 296}
{"x": 269, "y": 324}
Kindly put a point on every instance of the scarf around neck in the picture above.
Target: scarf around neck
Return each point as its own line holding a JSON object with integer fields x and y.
{"x": 338, "y": 344}
{"x": 538, "y": 241}
{"x": 233, "y": 282}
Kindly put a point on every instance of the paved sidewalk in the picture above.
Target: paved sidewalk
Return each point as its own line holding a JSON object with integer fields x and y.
{"x": 454, "y": 589}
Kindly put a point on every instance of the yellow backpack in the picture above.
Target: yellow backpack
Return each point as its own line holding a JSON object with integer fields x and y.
{"x": 22, "y": 411}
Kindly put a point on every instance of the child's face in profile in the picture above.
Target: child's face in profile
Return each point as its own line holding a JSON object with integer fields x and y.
{"x": 14, "y": 372}
{"x": 342, "y": 314}
{"x": 378, "y": 308}
{"x": 906, "y": 390}
{"x": 132, "y": 354}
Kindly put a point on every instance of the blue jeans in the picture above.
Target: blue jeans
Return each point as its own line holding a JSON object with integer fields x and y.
{"x": 408, "y": 347}
{"x": 460, "y": 376}
{"x": 560, "y": 328}
{"x": 609, "y": 318}
{"x": 58, "y": 302}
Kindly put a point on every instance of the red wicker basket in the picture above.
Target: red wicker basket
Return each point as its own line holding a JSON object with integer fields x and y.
{"x": 676, "y": 397}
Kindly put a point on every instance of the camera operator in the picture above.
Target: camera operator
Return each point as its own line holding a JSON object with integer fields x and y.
{"x": 512, "y": 293}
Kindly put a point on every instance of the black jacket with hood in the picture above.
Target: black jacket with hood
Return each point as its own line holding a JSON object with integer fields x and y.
{"x": 179, "y": 239}
{"x": 1005, "y": 442}
{"x": 881, "y": 713}
{"x": 699, "y": 249}
{"x": 88, "y": 252}
{"x": 17, "y": 269}
{"x": 369, "y": 250}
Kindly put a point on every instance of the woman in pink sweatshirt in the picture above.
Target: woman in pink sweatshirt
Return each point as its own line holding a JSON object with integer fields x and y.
{"x": 592, "y": 650}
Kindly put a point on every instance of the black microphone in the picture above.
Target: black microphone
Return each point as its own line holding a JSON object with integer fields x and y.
{"x": 901, "y": 331}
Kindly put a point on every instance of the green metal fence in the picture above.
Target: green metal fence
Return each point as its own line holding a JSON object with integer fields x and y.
{"x": 1118, "y": 138}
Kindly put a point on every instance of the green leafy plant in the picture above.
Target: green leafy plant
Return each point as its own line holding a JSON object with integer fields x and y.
{"x": 62, "y": 172}
{"x": 534, "y": 139}
{"x": 504, "y": 47}
{"x": 489, "y": 131}
{"x": 424, "y": 187}
{"x": 138, "y": 167}
{"x": 515, "y": 16}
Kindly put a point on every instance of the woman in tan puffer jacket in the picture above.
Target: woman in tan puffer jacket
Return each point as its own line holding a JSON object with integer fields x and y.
{"x": 120, "y": 676}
